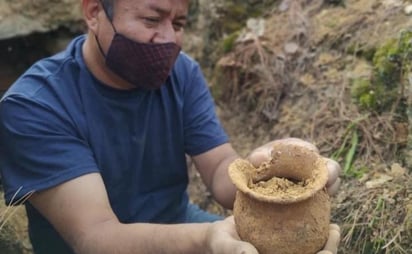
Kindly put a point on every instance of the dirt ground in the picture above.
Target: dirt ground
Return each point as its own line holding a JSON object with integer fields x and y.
{"x": 293, "y": 76}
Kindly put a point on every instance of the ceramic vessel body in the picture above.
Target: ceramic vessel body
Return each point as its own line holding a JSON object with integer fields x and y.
{"x": 283, "y": 219}
{"x": 297, "y": 227}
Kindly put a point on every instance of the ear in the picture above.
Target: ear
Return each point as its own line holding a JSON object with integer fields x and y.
{"x": 91, "y": 10}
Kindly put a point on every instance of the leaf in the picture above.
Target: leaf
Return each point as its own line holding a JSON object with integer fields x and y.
{"x": 351, "y": 153}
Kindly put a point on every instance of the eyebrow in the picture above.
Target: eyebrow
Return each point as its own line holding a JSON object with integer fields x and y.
{"x": 165, "y": 11}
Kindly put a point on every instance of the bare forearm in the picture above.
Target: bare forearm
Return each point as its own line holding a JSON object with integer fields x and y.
{"x": 213, "y": 166}
{"x": 143, "y": 238}
{"x": 222, "y": 188}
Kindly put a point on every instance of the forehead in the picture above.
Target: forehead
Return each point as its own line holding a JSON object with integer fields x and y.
{"x": 171, "y": 6}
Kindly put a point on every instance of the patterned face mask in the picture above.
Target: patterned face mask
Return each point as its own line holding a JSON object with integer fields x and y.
{"x": 144, "y": 65}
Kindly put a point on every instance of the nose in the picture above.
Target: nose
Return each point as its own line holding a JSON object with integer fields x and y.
{"x": 165, "y": 34}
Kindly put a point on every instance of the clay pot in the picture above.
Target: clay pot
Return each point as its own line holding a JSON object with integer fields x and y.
{"x": 286, "y": 221}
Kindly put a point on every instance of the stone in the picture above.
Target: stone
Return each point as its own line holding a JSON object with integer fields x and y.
{"x": 19, "y": 18}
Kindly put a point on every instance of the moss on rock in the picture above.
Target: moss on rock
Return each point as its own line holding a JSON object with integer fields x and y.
{"x": 391, "y": 63}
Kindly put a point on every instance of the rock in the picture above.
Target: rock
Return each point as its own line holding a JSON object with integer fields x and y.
{"x": 255, "y": 28}
{"x": 291, "y": 48}
{"x": 378, "y": 181}
{"x": 397, "y": 171}
{"x": 284, "y": 5}
{"x": 408, "y": 9}
{"x": 19, "y": 18}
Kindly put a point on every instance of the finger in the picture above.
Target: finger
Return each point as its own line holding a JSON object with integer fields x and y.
{"x": 237, "y": 245}
{"x": 231, "y": 218}
{"x": 270, "y": 144}
{"x": 333, "y": 241}
{"x": 334, "y": 171}
{"x": 264, "y": 153}
{"x": 334, "y": 227}
{"x": 260, "y": 155}
{"x": 332, "y": 190}
{"x": 244, "y": 248}
{"x": 299, "y": 142}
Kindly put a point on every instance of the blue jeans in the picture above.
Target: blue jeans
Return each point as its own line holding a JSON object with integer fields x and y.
{"x": 196, "y": 215}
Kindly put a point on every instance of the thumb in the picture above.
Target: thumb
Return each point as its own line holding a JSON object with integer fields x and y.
{"x": 331, "y": 246}
{"x": 244, "y": 248}
{"x": 222, "y": 238}
{"x": 233, "y": 246}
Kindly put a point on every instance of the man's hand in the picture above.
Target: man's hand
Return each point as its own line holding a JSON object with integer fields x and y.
{"x": 331, "y": 246}
{"x": 222, "y": 238}
{"x": 264, "y": 153}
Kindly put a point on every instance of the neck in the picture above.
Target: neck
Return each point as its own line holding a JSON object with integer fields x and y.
{"x": 95, "y": 62}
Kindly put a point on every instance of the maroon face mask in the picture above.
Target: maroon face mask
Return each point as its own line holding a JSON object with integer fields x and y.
{"x": 144, "y": 65}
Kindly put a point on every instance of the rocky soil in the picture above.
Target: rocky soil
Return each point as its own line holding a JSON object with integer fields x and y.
{"x": 336, "y": 73}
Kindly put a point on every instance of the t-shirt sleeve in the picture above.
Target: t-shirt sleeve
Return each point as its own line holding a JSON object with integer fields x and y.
{"x": 40, "y": 148}
{"x": 203, "y": 130}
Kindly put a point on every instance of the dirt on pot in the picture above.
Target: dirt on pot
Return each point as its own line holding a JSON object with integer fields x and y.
{"x": 279, "y": 186}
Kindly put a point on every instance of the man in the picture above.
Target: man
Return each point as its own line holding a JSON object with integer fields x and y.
{"x": 95, "y": 137}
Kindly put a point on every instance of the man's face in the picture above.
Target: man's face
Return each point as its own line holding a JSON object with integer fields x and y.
{"x": 156, "y": 21}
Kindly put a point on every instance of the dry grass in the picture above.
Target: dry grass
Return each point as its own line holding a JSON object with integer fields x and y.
{"x": 13, "y": 227}
{"x": 306, "y": 94}
{"x": 378, "y": 219}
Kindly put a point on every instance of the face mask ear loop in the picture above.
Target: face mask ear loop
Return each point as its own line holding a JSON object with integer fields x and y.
{"x": 108, "y": 16}
{"x": 111, "y": 23}
{"x": 100, "y": 46}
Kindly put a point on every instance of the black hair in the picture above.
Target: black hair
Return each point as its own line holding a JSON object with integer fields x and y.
{"x": 108, "y": 7}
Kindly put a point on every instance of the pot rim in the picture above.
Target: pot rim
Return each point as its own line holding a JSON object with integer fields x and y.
{"x": 241, "y": 172}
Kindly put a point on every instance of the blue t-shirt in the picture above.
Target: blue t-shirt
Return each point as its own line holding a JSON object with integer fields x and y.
{"x": 58, "y": 122}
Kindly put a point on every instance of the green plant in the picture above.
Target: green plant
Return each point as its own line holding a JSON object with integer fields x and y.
{"x": 383, "y": 91}
{"x": 365, "y": 93}
{"x": 228, "y": 42}
{"x": 348, "y": 150}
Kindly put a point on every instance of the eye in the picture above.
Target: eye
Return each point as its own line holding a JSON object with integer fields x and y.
{"x": 151, "y": 20}
{"x": 177, "y": 26}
